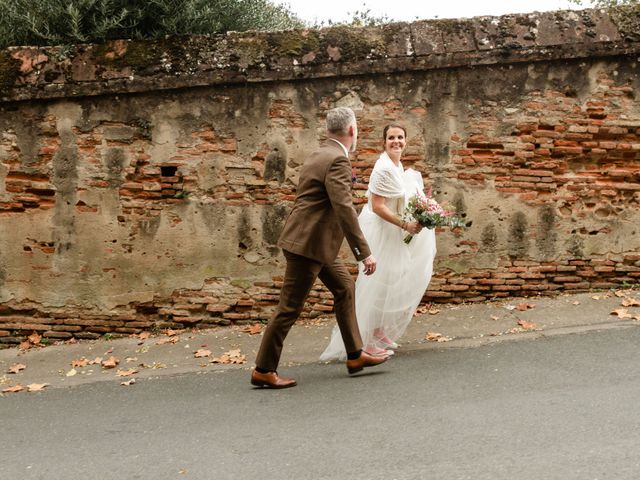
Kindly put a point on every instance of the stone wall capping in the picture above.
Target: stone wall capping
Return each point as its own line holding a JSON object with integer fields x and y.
{"x": 127, "y": 66}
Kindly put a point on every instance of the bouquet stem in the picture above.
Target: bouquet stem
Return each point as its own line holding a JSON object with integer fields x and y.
{"x": 408, "y": 238}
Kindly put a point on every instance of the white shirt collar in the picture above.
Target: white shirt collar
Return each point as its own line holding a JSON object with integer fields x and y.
{"x": 346, "y": 152}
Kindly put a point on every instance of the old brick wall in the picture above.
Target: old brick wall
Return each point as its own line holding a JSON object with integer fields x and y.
{"x": 144, "y": 185}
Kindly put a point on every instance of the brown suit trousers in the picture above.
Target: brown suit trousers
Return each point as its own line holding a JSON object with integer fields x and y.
{"x": 300, "y": 274}
{"x": 322, "y": 217}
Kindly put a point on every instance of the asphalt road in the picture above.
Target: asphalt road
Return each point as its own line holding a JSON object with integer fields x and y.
{"x": 563, "y": 407}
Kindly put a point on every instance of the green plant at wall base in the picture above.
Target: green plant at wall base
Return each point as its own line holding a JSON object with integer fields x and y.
{"x": 54, "y": 22}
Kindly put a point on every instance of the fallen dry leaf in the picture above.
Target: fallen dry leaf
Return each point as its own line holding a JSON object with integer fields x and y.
{"x": 26, "y": 345}
{"x": 622, "y": 313}
{"x": 576, "y": 303}
{"x": 83, "y": 362}
{"x": 126, "y": 373}
{"x": 171, "y": 332}
{"x": 16, "y": 367}
{"x": 527, "y": 325}
{"x": 253, "y": 329}
{"x": 230, "y": 357}
{"x": 36, "y": 387}
{"x": 131, "y": 359}
{"x": 619, "y": 293}
{"x": 34, "y": 338}
{"x": 110, "y": 362}
{"x": 96, "y": 361}
{"x": 14, "y": 389}
{"x": 524, "y": 306}
{"x": 71, "y": 373}
{"x": 166, "y": 340}
{"x": 630, "y": 302}
{"x": 433, "y": 311}
{"x": 144, "y": 335}
{"x": 202, "y": 353}
{"x": 421, "y": 310}
{"x": 109, "y": 351}
{"x": 128, "y": 382}
{"x": 495, "y": 317}
{"x": 436, "y": 337}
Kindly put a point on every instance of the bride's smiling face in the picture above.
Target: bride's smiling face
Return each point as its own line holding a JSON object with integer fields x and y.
{"x": 395, "y": 142}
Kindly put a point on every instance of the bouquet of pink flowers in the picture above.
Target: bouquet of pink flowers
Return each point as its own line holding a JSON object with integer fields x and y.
{"x": 430, "y": 214}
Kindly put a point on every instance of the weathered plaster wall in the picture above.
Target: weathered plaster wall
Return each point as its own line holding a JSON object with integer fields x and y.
{"x": 145, "y": 185}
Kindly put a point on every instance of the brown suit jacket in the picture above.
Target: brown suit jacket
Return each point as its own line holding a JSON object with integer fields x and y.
{"x": 323, "y": 213}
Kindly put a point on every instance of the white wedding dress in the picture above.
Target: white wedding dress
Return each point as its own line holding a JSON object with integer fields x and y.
{"x": 389, "y": 298}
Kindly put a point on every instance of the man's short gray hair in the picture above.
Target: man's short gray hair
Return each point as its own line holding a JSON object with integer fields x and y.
{"x": 339, "y": 120}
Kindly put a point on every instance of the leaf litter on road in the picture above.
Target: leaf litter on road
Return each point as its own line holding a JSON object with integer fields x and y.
{"x": 230, "y": 357}
{"x": 36, "y": 387}
{"x": 15, "y": 389}
{"x": 110, "y": 362}
{"x": 16, "y": 368}
{"x": 527, "y": 325}
{"x": 523, "y": 307}
{"x": 253, "y": 329}
{"x": 436, "y": 337}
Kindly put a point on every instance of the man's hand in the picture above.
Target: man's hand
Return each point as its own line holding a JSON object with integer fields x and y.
{"x": 369, "y": 264}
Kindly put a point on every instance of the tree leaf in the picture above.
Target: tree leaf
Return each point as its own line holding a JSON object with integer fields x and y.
{"x": 524, "y": 306}
{"x": 110, "y": 362}
{"x": 26, "y": 345}
{"x": 16, "y": 367}
{"x": 83, "y": 362}
{"x": 527, "y": 325}
{"x": 622, "y": 313}
{"x": 71, "y": 373}
{"x": 202, "y": 353}
{"x": 36, "y": 387}
{"x": 436, "y": 337}
{"x": 253, "y": 329}
{"x": 14, "y": 389}
{"x": 144, "y": 335}
{"x": 126, "y": 383}
{"x": 166, "y": 340}
{"x": 495, "y": 317}
{"x": 126, "y": 373}
{"x": 630, "y": 302}
{"x": 230, "y": 357}
{"x": 34, "y": 338}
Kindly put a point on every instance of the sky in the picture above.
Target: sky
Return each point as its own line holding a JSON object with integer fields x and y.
{"x": 408, "y": 10}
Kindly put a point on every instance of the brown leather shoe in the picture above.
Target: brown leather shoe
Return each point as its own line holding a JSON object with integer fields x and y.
{"x": 271, "y": 380}
{"x": 365, "y": 360}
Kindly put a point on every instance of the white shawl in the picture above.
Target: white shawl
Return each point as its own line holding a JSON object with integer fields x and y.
{"x": 386, "y": 179}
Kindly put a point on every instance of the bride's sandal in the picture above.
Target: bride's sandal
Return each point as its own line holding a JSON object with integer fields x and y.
{"x": 373, "y": 350}
{"x": 386, "y": 342}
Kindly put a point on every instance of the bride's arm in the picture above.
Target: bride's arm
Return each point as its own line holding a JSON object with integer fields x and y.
{"x": 380, "y": 208}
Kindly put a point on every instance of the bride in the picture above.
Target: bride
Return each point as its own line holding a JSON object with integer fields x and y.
{"x": 387, "y": 300}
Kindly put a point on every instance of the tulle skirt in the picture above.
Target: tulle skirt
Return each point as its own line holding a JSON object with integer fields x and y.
{"x": 388, "y": 299}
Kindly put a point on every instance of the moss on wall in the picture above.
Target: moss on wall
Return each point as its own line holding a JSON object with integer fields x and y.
{"x": 9, "y": 71}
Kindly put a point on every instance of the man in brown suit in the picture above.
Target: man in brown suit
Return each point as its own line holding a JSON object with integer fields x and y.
{"x": 322, "y": 216}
